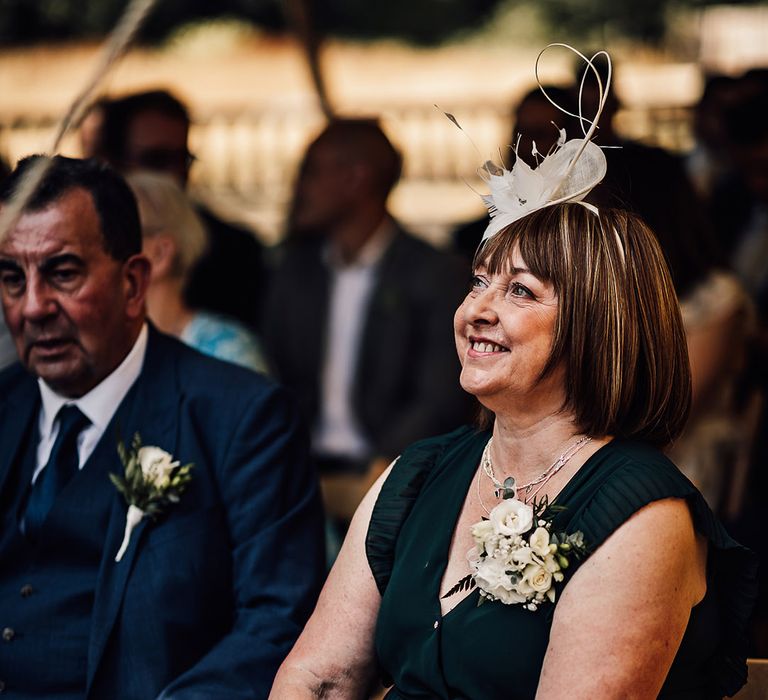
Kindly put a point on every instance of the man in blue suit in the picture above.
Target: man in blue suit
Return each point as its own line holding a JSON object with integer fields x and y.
{"x": 211, "y": 593}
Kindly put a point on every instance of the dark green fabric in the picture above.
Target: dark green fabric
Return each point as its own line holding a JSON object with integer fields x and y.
{"x": 496, "y": 650}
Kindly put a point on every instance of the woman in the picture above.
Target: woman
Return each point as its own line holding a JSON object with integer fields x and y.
{"x": 174, "y": 240}
{"x": 571, "y": 338}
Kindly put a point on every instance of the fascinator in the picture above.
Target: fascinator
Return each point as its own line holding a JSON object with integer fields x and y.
{"x": 566, "y": 174}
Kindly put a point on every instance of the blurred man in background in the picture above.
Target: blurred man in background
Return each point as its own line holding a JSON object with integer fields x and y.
{"x": 359, "y": 315}
{"x": 150, "y": 131}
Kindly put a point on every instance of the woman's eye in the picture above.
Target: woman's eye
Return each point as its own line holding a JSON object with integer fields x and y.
{"x": 518, "y": 290}
{"x": 478, "y": 282}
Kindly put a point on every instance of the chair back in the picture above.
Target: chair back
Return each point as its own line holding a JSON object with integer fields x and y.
{"x": 757, "y": 683}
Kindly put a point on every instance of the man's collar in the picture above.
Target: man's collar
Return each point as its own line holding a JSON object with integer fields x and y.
{"x": 371, "y": 253}
{"x": 101, "y": 402}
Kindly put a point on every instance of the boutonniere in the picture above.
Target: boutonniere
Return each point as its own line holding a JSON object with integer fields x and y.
{"x": 518, "y": 557}
{"x": 152, "y": 482}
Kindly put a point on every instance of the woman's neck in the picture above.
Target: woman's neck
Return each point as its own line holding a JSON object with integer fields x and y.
{"x": 166, "y": 308}
{"x": 525, "y": 448}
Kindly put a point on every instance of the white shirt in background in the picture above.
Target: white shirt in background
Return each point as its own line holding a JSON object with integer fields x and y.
{"x": 338, "y": 433}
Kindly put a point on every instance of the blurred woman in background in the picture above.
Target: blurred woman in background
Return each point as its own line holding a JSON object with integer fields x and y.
{"x": 174, "y": 239}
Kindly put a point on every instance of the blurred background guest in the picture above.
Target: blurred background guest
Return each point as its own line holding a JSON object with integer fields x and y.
{"x": 720, "y": 326}
{"x": 359, "y": 313}
{"x": 739, "y": 209}
{"x": 647, "y": 180}
{"x": 173, "y": 238}
{"x": 740, "y": 201}
{"x": 709, "y": 160}
{"x": 150, "y": 131}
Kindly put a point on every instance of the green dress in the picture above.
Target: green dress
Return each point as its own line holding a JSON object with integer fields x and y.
{"x": 496, "y": 650}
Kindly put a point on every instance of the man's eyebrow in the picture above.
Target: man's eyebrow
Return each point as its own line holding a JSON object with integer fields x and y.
{"x": 64, "y": 259}
{"x": 9, "y": 265}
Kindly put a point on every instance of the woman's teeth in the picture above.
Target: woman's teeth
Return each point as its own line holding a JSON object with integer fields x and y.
{"x": 487, "y": 347}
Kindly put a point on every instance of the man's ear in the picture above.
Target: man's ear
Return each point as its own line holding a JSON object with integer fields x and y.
{"x": 136, "y": 273}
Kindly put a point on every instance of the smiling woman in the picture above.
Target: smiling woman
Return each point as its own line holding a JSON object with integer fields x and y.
{"x": 571, "y": 338}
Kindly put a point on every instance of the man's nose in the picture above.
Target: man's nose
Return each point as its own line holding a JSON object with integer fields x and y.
{"x": 39, "y": 301}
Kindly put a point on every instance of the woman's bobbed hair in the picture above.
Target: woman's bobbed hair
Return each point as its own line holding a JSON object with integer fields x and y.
{"x": 618, "y": 332}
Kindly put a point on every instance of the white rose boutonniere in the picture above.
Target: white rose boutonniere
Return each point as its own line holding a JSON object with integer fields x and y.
{"x": 517, "y": 557}
{"x": 152, "y": 481}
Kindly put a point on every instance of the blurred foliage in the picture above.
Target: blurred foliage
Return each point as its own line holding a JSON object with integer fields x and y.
{"x": 639, "y": 19}
{"x": 418, "y": 21}
{"x": 24, "y": 21}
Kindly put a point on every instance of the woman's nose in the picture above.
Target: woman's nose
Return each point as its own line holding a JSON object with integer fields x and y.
{"x": 479, "y": 308}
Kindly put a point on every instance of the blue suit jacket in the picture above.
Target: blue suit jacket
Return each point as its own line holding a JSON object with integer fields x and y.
{"x": 208, "y": 599}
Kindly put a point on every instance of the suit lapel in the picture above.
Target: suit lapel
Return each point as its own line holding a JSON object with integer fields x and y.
{"x": 151, "y": 408}
{"x": 18, "y": 433}
{"x": 17, "y": 415}
{"x": 313, "y": 339}
{"x": 387, "y": 312}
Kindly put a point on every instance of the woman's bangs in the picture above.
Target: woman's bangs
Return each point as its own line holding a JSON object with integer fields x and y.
{"x": 537, "y": 240}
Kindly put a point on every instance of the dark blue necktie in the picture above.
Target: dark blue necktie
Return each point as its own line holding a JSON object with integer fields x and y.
{"x": 61, "y": 467}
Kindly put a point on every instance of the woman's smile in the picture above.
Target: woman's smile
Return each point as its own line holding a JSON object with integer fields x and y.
{"x": 482, "y": 347}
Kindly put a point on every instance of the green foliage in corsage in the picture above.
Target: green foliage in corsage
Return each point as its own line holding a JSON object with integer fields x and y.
{"x": 517, "y": 557}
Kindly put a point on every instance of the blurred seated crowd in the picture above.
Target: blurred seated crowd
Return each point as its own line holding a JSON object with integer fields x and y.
{"x": 354, "y": 314}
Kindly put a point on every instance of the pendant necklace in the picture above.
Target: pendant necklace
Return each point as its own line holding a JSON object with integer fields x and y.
{"x": 510, "y": 488}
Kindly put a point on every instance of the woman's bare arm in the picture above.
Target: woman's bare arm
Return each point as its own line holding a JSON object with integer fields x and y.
{"x": 621, "y": 618}
{"x": 334, "y": 656}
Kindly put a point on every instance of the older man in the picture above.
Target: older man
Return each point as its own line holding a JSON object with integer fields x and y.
{"x": 211, "y": 591}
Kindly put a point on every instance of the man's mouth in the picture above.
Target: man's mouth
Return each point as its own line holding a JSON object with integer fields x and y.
{"x": 48, "y": 346}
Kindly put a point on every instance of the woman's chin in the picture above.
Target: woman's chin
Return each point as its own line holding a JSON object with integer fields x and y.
{"x": 483, "y": 391}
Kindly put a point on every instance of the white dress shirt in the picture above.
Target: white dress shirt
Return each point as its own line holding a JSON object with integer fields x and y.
{"x": 98, "y": 405}
{"x": 338, "y": 433}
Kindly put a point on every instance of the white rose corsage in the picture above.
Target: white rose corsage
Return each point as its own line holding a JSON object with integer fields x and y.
{"x": 517, "y": 558}
{"x": 152, "y": 481}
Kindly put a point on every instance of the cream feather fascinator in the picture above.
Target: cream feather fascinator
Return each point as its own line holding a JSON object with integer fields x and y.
{"x": 567, "y": 174}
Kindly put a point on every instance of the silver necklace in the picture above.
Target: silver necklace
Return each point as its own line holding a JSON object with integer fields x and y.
{"x": 532, "y": 488}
